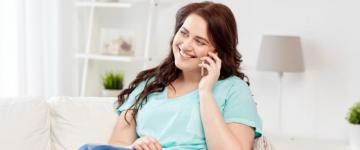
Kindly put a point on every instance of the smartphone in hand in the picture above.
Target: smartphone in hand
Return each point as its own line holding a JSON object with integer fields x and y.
{"x": 202, "y": 69}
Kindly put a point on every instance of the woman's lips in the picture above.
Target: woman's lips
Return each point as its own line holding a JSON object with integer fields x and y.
{"x": 186, "y": 55}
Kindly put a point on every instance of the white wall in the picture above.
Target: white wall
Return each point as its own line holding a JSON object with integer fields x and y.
{"x": 315, "y": 102}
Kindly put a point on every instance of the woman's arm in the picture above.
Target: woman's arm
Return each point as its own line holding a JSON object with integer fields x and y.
{"x": 124, "y": 134}
{"x": 221, "y": 135}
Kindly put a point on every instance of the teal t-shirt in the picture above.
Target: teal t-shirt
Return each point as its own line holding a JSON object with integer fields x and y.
{"x": 176, "y": 123}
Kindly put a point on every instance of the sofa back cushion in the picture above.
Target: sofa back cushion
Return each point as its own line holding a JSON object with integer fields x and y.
{"x": 24, "y": 124}
{"x": 79, "y": 120}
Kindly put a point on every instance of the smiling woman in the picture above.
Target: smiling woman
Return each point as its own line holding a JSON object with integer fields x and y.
{"x": 191, "y": 42}
{"x": 173, "y": 106}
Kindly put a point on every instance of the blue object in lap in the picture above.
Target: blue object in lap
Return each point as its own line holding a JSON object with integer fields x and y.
{"x": 101, "y": 147}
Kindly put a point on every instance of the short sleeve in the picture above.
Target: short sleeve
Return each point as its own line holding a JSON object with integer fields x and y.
{"x": 241, "y": 108}
{"x": 132, "y": 98}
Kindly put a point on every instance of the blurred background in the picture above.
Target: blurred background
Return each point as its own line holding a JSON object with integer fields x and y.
{"x": 69, "y": 48}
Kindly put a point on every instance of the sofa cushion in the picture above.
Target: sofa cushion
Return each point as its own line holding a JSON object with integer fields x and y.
{"x": 25, "y": 124}
{"x": 80, "y": 120}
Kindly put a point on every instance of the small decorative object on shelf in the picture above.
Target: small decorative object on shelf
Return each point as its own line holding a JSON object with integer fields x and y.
{"x": 107, "y": 36}
{"x": 113, "y": 84}
{"x": 354, "y": 132}
{"x": 116, "y": 42}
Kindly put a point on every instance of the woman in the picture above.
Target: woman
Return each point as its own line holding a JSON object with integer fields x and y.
{"x": 197, "y": 97}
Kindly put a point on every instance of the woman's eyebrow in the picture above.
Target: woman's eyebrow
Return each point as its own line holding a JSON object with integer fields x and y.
{"x": 199, "y": 37}
{"x": 186, "y": 30}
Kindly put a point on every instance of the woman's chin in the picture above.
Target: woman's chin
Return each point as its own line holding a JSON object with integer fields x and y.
{"x": 186, "y": 67}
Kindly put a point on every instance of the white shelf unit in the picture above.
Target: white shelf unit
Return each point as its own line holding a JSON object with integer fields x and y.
{"x": 88, "y": 56}
{"x": 103, "y": 4}
{"x": 109, "y": 57}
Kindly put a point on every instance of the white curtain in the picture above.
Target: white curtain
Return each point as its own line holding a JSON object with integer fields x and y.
{"x": 8, "y": 47}
{"x": 37, "y": 48}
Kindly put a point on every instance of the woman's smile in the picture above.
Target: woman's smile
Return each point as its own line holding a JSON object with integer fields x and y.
{"x": 186, "y": 55}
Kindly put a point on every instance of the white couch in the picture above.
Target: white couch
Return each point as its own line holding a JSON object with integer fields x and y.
{"x": 59, "y": 123}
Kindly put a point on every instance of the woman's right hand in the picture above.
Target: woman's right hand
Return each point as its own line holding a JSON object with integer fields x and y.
{"x": 146, "y": 143}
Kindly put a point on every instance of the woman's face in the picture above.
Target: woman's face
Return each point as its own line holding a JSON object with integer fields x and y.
{"x": 191, "y": 42}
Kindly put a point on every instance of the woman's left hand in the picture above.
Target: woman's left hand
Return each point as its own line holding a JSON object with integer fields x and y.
{"x": 212, "y": 67}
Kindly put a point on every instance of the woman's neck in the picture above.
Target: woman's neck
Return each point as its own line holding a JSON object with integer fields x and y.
{"x": 190, "y": 77}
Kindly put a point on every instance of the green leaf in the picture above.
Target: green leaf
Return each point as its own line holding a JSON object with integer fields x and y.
{"x": 113, "y": 80}
{"x": 354, "y": 114}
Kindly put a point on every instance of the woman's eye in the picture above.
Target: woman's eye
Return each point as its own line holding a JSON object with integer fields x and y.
{"x": 200, "y": 43}
{"x": 183, "y": 33}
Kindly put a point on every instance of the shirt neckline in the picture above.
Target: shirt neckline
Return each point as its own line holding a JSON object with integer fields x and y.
{"x": 191, "y": 93}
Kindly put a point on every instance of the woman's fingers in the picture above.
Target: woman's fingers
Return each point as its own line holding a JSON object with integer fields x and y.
{"x": 213, "y": 60}
{"x": 210, "y": 61}
{"x": 155, "y": 143}
{"x": 216, "y": 58}
{"x": 147, "y": 143}
{"x": 213, "y": 63}
{"x": 145, "y": 146}
{"x": 137, "y": 147}
{"x": 207, "y": 66}
{"x": 158, "y": 146}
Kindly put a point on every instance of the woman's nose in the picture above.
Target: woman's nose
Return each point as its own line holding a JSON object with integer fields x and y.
{"x": 186, "y": 45}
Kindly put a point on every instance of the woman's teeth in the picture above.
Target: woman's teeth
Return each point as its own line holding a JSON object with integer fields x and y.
{"x": 186, "y": 55}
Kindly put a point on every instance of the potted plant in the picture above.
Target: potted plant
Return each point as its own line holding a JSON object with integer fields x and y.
{"x": 354, "y": 120}
{"x": 113, "y": 84}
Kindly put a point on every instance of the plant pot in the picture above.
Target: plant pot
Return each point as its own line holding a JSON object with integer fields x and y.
{"x": 354, "y": 136}
{"x": 110, "y": 93}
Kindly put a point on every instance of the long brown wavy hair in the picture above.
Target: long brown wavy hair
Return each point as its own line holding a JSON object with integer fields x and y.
{"x": 222, "y": 32}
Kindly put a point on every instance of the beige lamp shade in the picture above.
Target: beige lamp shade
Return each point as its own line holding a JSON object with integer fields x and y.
{"x": 280, "y": 54}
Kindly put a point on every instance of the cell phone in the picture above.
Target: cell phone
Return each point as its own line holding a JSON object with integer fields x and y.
{"x": 202, "y": 69}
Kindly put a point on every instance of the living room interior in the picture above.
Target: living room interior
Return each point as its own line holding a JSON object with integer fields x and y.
{"x": 60, "y": 60}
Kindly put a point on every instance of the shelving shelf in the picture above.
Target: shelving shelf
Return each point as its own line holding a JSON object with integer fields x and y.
{"x": 88, "y": 55}
{"x": 110, "y": 57}
{"x": 103, "y": 4}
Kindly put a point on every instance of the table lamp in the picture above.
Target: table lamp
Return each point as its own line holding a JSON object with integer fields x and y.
{"x": 280, "y": 54}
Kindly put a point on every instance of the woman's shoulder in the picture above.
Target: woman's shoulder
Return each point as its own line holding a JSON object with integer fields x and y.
{"x": 143, "y": 83}
{"x": 226, "y": 86}
{"x": 139, "y": 87}
{"x": 232, "y": 81}
{"x": 230, "y": 86}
